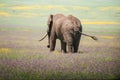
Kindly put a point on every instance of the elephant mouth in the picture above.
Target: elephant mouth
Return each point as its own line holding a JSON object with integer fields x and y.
{"x": 43, "y": 37}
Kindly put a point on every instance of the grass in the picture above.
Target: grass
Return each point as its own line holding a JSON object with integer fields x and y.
{"x": 18, "y": 75}
{"x": 23, "y": 57}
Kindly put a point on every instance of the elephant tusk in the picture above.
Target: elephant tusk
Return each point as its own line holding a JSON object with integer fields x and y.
{"x": 43, "y": 37}
{"x": 93, "y": 37}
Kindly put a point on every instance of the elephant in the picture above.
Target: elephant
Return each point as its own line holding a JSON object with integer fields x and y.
{"x": 68, "y": 29}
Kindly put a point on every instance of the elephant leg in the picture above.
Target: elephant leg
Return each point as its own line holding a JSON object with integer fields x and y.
{"x": 70, "y": 48}
{"x": 52, "y": 41}
{"x": 69, "y": 40}
{"x": 76, "y": 42}
{"x": 76, "y": 45}
{"x": 48, "y": 33}
{"x": 48, "y": 42}
{"x": 77, "y": 37}
{"x": 63, "y": 47}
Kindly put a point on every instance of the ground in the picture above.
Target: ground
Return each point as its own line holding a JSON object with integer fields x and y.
{"x": 23, "y": 57}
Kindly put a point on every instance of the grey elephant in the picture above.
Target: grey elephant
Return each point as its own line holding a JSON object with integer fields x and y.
{"x": 67, "y": 29}
{"x": 51, "y": 19}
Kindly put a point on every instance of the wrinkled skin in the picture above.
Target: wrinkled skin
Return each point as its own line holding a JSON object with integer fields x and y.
{"x": 66, "y": 29}
{"x": 75, "y": 27}
{"x": 51, "y": 19}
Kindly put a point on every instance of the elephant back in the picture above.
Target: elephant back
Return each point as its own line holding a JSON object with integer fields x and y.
{"x": 57, "y": 16}
{"x": 75, "y": 23}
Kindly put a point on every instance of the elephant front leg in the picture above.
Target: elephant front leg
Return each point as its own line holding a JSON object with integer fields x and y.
{"x": 48, "y": 42}
{"x": 48, "y": 33}
{"x": 52, "y": 42}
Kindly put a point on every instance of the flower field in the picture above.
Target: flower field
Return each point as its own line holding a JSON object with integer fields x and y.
{"x": 24, "y": 22}
{"x": 22, "y": 56}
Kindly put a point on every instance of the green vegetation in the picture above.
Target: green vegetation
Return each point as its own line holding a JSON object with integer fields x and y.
{"x": 23, "y": 57}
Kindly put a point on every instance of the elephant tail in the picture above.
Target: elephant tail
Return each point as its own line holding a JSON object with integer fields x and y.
{"x": 43, "y": 37}
{"x": 93, "y": 37}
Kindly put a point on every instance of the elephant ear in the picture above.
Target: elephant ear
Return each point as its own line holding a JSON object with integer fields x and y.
{"x": 50, "y": 20}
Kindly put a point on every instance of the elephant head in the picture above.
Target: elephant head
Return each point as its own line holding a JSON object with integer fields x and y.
{"x": 50, "y": 22}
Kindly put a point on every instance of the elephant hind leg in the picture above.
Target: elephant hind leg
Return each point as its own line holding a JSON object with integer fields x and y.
{"x": 69, "y": 41}
{"x": 76, "y": 43}
{"x": 63, "y": 47}
{"x": 70, "y": 47}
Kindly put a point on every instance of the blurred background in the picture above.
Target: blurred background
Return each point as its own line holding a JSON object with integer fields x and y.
{"x": 34, "y": 13}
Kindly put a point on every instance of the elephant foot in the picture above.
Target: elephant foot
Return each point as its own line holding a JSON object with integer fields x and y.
{"x": 63, "y": 51}
{"x": 51, "y": 50}
{"x": 48, "y": 46}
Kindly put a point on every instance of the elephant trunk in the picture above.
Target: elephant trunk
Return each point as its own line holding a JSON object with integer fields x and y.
{"x": 43, "y": 37}
{"x": 93, "y": 37}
